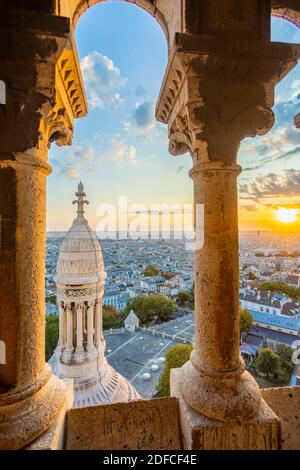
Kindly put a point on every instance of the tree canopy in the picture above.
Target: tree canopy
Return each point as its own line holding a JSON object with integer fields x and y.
{"x": 111, "y": 318}
{"x": 51, "y": 335}
{"x": 266, "y": 361}
{"x": 177, "y": 356}
{"x": 151, "y": 271}
{"x": 251, "y": 276}
{"x": 246, "y": 320}
{"x": 281, "y": 288}
{"x": 156, "y": 308}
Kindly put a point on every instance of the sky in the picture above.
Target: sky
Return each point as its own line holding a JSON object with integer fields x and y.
{"x": 120, "y": 150}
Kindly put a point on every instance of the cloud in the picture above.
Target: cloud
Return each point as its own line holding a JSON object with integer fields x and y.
{"x": 143, "y": 115}
{"x": 285, "y": 111}
{"x": 286, "y": 206}
{"x": 141, "y": 92}
{"x": 179, "y": 169}
{"x": 287, "y": 183}
{"x": 82, "y": 155}
{"x": 142, "y": 119}
{"x": 70, "y": 171}
{"x": 75, "y": 161}
{"x": 250, "y": 208}
{"x": 102, "y": 80}
{"x": 121, "y": 153}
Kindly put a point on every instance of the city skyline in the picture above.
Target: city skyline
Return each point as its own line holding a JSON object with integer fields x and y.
{"x": 120, "y": 150}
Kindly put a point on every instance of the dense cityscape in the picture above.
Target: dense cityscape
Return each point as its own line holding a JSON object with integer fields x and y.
{"x": 269, "y": 290}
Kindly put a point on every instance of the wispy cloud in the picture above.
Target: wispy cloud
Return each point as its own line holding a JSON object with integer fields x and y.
{"x": 75, "y": 161}
{"x": 287, "y": 183}
{"x": 122, "y": 154}
{"x": 250, "y": 207}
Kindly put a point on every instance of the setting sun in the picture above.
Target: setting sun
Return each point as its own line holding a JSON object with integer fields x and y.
{"x": 287, "y": 216}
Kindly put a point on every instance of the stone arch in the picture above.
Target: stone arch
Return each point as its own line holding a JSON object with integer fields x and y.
{"x": 147, "y": 5}
{"x": 288, "y": 10}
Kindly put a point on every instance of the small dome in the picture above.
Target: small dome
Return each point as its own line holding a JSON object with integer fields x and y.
{"x": 80, "y": 258}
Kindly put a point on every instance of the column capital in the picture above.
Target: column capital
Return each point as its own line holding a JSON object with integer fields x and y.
{"x": 217, "y": 93}
{"x": 43, "y": 84}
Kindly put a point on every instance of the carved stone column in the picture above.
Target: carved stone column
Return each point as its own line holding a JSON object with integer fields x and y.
{"x": 98, "y": 328}
{"x": 70, "y": 328}
{"x": 90, "y": 326}
{"x": 214, "y": 95}
{"x": 30, "y": 396}
{"x": 79, "y": 333}
{"x": 62, "y": 326}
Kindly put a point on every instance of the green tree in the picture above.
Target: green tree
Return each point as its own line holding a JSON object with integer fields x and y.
{"x": 51, "y": 299}
{"x": 246, "y": 320}
{"x": 177, "y": 356}
{"x": 251, "y": 276}
{"x": 183, "y": 297}
{"x": 151, "y": 271}
{"x": 167, "y": 276}
{"x": 281, "y": 288}
{"x": 111, "y": 318}
{"x": 285, "y": 352}
{"x": 156, "y": 308}
{"x": 51, "y": 335}
{"x": 266, "y": 362}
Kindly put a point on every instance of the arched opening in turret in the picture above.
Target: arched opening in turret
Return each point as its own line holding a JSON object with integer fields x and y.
{"x": 118, "y": 150}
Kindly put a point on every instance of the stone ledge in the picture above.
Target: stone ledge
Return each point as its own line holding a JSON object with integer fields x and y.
{"x": 200, "y": 433}
{"x": 140, "y": 425}
{"x": 285, "y": 402}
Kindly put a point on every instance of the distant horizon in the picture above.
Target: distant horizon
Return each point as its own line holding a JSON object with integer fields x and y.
{"x": 179, "y": 231}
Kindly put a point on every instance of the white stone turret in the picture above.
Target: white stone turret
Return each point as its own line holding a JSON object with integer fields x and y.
{"x": 80, "y": 350}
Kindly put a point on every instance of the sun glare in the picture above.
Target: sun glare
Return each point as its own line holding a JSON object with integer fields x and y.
{"x": 286, "y": 216}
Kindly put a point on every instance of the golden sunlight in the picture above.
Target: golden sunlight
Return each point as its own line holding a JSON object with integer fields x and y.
{"x": 287, "y": 216}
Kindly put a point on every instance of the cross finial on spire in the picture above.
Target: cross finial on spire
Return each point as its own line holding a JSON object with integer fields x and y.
{"x": 80, "y": 201}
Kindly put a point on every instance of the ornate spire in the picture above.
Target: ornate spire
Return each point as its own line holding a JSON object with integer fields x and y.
{"x": 80, "y": 202}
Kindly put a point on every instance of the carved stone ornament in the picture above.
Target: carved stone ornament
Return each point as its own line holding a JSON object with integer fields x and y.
{"x": 75, "y": 293}
{"x": 213, "y": 97}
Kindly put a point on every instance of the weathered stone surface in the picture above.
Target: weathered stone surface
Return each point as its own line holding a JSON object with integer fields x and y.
{"x": 285, "y": 402}
{"x": 31, "y": 398}
{"x": 54, "y": 438}
{"x": 149, "y": 424}
{"x": 262, "y": 432}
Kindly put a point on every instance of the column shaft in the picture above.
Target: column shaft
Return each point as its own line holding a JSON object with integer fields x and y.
{"x": 214, "y": 382}
{"x": 90, "y": 327}
{"x": 98, "y": 322}
{"x": 22, "y": 300}
{"x": 69, "y": 346}
{"x": 79, "y": 335}
{"x": 217, "y": 270}
{"x": 62, "y": 321}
